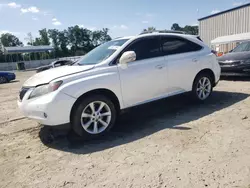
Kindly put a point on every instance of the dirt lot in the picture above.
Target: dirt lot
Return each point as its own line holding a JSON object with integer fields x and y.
{"x": 170, "y": 143}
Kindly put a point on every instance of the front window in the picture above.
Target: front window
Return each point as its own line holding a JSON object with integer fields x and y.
{"x": 146, "y": 48}
{"x": 101, "y": 52}
{"x": 243, "y": 47}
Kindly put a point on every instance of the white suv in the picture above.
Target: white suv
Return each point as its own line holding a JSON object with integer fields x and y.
{"x": 119, "y": 74}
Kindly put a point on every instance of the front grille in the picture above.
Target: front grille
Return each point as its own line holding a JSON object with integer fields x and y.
{"x": 23, "y": 92}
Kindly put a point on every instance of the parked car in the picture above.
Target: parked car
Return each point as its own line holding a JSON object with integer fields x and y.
{"x": 236, "y": 62}
{"x": 119, "y": 74}
{"x": 54, "y": 64}
{"x": 6, "y": 77}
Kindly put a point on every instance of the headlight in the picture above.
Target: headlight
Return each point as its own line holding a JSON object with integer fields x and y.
{"x": 45, "y": 89}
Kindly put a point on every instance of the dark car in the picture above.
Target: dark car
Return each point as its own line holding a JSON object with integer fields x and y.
{"x": 54, "y": 64}
{"x": 6, "y": 77}
{"x": 236, "y": 62}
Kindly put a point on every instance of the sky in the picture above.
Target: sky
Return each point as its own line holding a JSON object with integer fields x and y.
{"x": 122, "y": 17}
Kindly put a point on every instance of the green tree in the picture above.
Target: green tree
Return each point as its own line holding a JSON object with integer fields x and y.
{"x": 43, "y": 39}
{"x": 176, "y": 27}
{"x": 63, "y": 42}
{"x": 74, "y": 36}
{"x": 72, "y": 41}
{"x": 9, "y": 40}
{"x": 104, "y": 35}
{"x": 96, "y": 38}
{"x": 54, "y": 36}
{"x": 149, "y": 29}
{"x": 192, "y": 30}
{"x": 79, "y": 40}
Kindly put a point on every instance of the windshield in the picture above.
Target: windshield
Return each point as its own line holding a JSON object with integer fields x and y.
{"x": 243, "y": 47}
{"x": 101, "y": 52}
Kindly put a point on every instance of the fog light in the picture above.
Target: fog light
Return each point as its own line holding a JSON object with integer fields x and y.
{"x": 45, "y": 115}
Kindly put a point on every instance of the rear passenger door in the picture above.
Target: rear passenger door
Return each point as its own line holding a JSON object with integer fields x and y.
{"x": 182, "y": 59}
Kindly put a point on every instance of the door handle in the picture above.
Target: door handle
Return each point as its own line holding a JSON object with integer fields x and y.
{"x": 159, "y": 66}
{"x": 195, "y": 60}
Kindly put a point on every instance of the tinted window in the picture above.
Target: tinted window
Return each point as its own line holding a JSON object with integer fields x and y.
{"x": 176, "y": 46}
{"x": 245, "y": 46}
{"x": 146, "y": 48}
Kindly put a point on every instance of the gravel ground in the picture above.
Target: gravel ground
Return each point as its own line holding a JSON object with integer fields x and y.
{"x": 170, "y": 143}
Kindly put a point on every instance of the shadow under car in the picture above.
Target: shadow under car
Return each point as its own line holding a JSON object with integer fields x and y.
{"x": 141, "y": 121}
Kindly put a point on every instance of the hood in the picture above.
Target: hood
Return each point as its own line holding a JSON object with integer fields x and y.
{"x": 235, "y": 56}
{"x": 51, "y": 74}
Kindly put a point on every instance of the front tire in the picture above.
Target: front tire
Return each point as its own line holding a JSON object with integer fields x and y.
{"x": 93, "y": 116}
{"x": 202, "y": 87}
{"x": 3, "y": 80}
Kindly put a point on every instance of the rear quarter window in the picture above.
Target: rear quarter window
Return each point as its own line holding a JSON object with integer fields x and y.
{"x": 172, "y": 45}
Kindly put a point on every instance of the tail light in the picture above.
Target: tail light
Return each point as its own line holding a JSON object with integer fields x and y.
{"x": 220, "y": 54}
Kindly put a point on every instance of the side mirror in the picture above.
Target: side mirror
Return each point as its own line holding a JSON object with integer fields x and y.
{"x": 127, "y": 57}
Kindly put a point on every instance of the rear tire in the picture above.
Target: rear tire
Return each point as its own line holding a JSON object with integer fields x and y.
{"x": 93, "y": 116}
{"x": 202, "y": 87}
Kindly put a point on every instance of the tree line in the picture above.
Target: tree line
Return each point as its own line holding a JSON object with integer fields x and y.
{"x": 188, "y": 29}
{"x": 73, "y": 41}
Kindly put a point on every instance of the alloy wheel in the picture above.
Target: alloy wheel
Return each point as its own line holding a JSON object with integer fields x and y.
{"x": 204, "y": 88}
{"x": 96, "y": 117}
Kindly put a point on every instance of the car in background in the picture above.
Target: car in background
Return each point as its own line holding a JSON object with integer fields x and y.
{"x": 54, "y": 64}
{"x": 237, "y": 61}
{"x": 6, "y": 77}
{"x": 119, "y": 74}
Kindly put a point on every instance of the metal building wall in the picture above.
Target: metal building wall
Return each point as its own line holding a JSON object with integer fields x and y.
{"x": 228, "y": 23}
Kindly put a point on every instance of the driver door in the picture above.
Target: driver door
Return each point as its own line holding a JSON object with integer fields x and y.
{"x": 144, "y": 79}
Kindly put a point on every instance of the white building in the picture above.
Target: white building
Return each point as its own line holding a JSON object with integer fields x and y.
{"x": 229, "y": 22}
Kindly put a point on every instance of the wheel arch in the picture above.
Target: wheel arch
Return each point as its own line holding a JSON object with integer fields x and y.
{"x": 206, "y": 71}
{"x": 106, "y": 92}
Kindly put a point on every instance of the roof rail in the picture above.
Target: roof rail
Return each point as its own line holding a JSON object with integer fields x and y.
{"x": 116, "y": 38}
{"x": 163, "y": 31}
